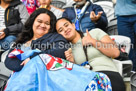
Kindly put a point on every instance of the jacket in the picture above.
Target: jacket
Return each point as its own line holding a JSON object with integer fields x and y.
{"x": 51, "y": 43}
{"x": 84, "y": 20}
{"x": 15, "y": 16}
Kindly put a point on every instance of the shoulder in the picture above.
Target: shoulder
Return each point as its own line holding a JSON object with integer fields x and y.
{"x": 69, "y": 9}
{"x": 97, "y": 33}
{"x": 95, "y": 30}
{"x": 52, "y": 37}
{"x": 58, "y": 37}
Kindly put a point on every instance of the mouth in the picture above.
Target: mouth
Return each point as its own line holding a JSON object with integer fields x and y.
{"x": 43, "y": 29}
{"x": 68, "y": 32}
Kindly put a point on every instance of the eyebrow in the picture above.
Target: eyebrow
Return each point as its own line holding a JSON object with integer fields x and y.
{"x": 42, "y": 20}
{"x": 63, "y": 25}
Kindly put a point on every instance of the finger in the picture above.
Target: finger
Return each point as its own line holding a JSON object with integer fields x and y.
{"x": 68, "y": 55}
{"x": 92, "y": 14}
{"x": 22, "y": 63}
{"x": 70, "y": 50}
{"x": 2, "y": 34}
{"x": 99, "y": 14}
{"x": 88, "y": 34}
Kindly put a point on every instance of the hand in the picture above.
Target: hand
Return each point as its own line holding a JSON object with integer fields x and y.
{"x": 69, "y": 55}
{"x": 87, "y": 40}
{"x": 95, "y": 17}
{"x": 25, "y": 61}
{"x": 2, "y": 35}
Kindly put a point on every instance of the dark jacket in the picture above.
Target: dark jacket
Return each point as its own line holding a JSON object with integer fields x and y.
{"x": 15, "y": 16}
{"x": 84, "y": 20}
{"x": 51, "y": 43}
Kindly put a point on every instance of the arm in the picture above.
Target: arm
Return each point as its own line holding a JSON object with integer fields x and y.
{"x": 13, "y": 63}
{"x": 104, "y": 45}
{"x": 18, "y": 27}
{"x": 65, "y": 13}
{"x": 102, "y": 21}
{"x": 58, "y": 49}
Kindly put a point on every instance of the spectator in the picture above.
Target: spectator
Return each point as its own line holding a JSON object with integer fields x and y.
{"x": 126, "y": 23}
{"x": 13, "y": 15}
{"x": 96, "y": 47}
{"x": 39, "y": 33}
{"x": 47, "y": 4}
{"x": 86, "y": 15}
{"x": 31, "y": 5}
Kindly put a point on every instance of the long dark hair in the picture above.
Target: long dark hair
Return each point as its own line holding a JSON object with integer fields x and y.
{"x": 81, "y": 35}
{"x": 27, "y": 32}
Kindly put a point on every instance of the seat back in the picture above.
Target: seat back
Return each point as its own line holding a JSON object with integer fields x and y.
{"x": 124, "y": 66}
{"x": 4, "y": 75}
{"x": 122, "y": 40}
{"x": 58, "y": 3}
{"x": 3, "y": 56}
{"x": 133, "y": 82}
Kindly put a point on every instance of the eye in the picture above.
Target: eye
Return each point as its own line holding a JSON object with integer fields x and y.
{"x": 47, "y": 23}
{"x": 39, "y": 21}
{"x": 60, "y": 30}
{"x": 66, "y": 25}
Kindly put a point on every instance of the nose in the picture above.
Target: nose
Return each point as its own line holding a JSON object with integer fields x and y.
{"x": 65, "y": 29}
{"x": 42, "y": 25}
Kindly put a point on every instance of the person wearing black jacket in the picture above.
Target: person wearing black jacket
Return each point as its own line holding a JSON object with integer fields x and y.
{"x": 13, "y": 15}
{"x": 39, "y": 33}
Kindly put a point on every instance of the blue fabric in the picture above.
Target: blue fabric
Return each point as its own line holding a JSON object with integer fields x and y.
{"x": 77, "y": 21}
{"x": 7, "y": 42}
{"x": 127, "y": 27}
{"x": 27, "y": 54}
{"x": 35, "y": 77}
{"x": 52, "y": 43}
{"x": 84, "y": 20}
{"x": 125, "y": 7}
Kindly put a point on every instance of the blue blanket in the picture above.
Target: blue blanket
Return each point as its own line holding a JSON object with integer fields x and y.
{"x": 35, "y": 77}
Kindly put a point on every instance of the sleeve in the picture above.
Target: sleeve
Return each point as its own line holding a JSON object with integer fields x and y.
{"x": 65, "y": 13}
{"x": 102, "y": 22}
{"x": 23, "y": 16}
{"x": 97, "y": 33}
{"x": 58, "y": 49}
{"x": 13, "y": 63}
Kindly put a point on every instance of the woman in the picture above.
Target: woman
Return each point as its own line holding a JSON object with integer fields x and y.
{"x": 96, "y": 47}
{"x": 39, "y": 32}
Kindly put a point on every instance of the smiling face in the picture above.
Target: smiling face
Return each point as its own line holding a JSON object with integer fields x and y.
{"x": 66, "y": 29}
{"x": 41, "y": 25}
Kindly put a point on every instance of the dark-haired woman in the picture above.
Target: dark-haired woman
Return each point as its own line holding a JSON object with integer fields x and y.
{"x": 96, "y": 47}
{"x": 39, "y": 33}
